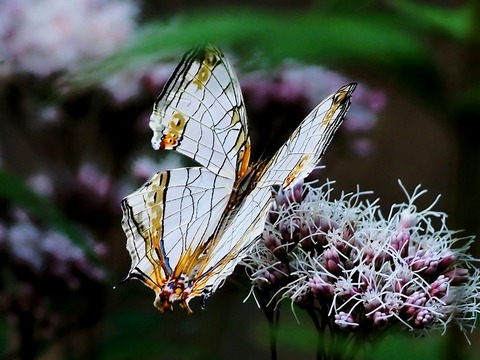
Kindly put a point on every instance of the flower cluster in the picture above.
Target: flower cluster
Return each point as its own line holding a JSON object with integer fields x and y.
{"x": 363, "y": 271}
{"x": 46, "y": 36}
{"x": 40, "y": 267}
{"x": 47, "y": 253}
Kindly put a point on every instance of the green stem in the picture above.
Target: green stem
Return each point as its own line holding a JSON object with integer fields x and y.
{"x": 321, "y": 355}
{"x": 272, "y": 313}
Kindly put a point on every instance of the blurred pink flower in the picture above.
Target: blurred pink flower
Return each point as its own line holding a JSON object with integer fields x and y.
{"x": 46, "y": 36}
{"x": 310, "y": 84}
{"x": 42, "y": 184}
{"x": 47, "y": 253}
{"x": 130, "y": 82}
{"x": 94, "y": 180}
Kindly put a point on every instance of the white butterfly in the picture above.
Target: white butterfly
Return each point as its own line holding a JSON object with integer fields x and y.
{"x": 187, "y": 228}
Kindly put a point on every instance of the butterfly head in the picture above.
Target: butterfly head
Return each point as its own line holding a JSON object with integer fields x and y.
{"x": 174, "y": 291}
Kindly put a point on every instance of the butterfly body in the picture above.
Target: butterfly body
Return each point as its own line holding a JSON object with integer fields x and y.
{"x": 187, "y": 228}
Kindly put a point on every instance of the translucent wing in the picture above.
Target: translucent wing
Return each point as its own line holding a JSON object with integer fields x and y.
{"x": 294, "y": 160}
{"x": 168, "y": 218}
{"x": 307, "y": 144}
{"x": 200, "y": 113}
{"x": 236, "y": 239}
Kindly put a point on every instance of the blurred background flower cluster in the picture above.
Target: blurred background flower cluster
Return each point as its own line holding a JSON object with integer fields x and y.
{"x": 77, "y": 83}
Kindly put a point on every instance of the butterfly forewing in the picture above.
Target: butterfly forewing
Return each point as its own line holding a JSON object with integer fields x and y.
{"x": 293, "y": 161}
{"x": 201, "y": 114}
{"x": 307, "y": 144}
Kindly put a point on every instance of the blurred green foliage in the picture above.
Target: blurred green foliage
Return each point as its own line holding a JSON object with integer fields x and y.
{"x": 456, "y": 23}
{"x": 374, "y": 39}
{"x": 120, "y": 345}
{"x": 386, "y": 38}
{"x": 392, "y": 347}
{"x": 296, "y": 335}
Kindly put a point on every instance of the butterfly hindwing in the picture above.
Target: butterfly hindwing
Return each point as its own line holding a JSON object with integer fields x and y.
{"x": 237, "y": 237}
{"x": 170, "y": 216}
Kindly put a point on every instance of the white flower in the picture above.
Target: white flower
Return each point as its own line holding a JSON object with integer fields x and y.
{"x": 364, "y": 270}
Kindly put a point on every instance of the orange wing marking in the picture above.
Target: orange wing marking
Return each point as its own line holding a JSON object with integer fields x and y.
{"x": 173, "y": 133}
{"x": 297, "y": 170}
{"x": 337, "y": 101}
{"x": 243, "y": 147}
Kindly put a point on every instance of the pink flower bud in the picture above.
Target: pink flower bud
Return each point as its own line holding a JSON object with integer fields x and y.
{"x": 407, "y": 220}
{"x": 270, "y": 240}
{"x": 439, "y": 287}
{"x": 415, "y": 301}
{"x": 457, "y": 276}
{"x": 422, "y": 318}
{"x": 296, "y": 193}
{"x": 380, "y": 319}
{"x": 400, "y": 241}
{"x": 447, "y": 259}
{"x": 345, "y": 321}
{"x": 332, "y": 260}
{"x": 320, "y": 287}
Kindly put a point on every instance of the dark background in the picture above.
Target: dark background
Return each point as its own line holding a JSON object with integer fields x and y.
{"x": 423, "y": 56}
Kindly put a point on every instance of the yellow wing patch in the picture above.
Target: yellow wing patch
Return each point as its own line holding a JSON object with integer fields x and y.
{"x": 208, "y": 63}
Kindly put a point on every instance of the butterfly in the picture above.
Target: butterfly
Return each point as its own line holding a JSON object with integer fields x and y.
{"x": 188, "y": 228}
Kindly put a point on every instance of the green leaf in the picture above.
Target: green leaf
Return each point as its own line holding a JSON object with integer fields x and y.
{"x": 334, "y": 39}
{"x": 14, "y": 189}
{"x": 456, "y": 23}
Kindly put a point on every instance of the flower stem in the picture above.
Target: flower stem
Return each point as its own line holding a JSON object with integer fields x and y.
{"x": 321, "y": 344}
{"x": 272, "y": 313}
